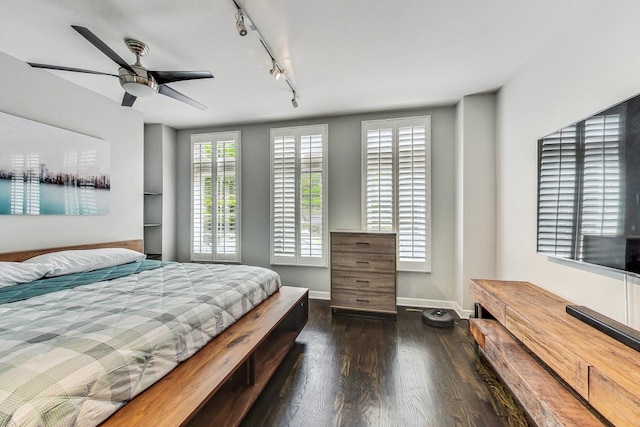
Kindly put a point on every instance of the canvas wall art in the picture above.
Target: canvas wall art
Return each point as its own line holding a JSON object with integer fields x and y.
{"x": 45, "y": 170}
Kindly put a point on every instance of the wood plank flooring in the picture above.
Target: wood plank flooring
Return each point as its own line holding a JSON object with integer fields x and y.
{"x": 354, "y": 371}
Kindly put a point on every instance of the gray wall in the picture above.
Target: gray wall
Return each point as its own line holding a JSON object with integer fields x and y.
{"x": 344, "y": 197}
{"x": 160, "y": 177}
{"x": 44, "y": 97}
{"x": 475, "y": 248}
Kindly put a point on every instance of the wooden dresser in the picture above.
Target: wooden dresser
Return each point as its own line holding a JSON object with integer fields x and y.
{"x": 363, "y": 271}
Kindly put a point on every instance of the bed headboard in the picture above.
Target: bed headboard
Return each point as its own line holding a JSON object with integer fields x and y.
{"x": 20, "y": 256}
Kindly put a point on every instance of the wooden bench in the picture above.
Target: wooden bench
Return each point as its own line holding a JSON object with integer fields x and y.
{"x": 602, "y": 371}
{"x": 545, "y": 400}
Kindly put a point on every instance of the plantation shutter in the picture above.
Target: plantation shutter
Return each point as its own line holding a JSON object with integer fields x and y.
{"x": 215, "y": 222}
{"x": 396, "y": 186}
{"x": 601, "y": 207}
{"x": 311, "y": 195}
{"x": 202, "y": 232}
{"x": 379, "y": 179}
{"x": 298, "y": 196}
{"x": 226, "y": 198}
{"x": 412, "y": 192}
{"x": 284, "y": 197}
{"x": 557, "y": 192}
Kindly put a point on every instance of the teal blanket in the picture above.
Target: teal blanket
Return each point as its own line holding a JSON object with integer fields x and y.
{"x": 47, "y": 285}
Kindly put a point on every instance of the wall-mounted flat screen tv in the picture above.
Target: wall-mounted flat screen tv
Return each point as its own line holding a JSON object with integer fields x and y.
{"x": 589, "y": 189}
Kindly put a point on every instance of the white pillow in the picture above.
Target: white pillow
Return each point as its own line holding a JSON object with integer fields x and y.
{"x": 76, "y": 261}
{"x": 12, "y": 273}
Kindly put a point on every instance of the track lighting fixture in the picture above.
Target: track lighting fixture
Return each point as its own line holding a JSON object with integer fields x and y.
{"x": 242, "y": 29}
{"x": 294, "y": 100}
{"x": 276, "y": 71}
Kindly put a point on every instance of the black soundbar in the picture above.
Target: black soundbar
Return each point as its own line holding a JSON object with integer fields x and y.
{"x": 616, "y": 330}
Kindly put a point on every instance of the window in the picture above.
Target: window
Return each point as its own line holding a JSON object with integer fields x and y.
{"x": 396, "y": 190}
{"x": 298, "y": 195}
{"x": 215, "y": 220}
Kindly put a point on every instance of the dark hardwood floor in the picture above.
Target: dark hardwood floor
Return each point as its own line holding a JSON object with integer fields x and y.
{"x": 354, "y": 371}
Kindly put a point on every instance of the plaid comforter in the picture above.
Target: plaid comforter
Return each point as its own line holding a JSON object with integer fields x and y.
{"x": 75, "y": 356}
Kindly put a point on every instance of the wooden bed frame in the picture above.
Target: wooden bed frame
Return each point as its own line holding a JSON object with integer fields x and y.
{"x": 217, "y": 385}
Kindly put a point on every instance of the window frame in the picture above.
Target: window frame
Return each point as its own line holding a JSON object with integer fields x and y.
{"x": 214, "y": 138}
{"x": 297, "y": 259}
{"x": 395, "y": 124}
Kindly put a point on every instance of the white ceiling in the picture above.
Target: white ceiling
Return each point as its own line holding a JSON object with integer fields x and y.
{"x": 342, "y": 56}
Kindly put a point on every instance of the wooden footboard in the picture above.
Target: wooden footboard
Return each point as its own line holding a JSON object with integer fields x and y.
{"x": 218, "y": 385}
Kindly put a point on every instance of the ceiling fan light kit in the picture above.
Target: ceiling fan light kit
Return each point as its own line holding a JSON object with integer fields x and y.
{"x": 138, "y": 85}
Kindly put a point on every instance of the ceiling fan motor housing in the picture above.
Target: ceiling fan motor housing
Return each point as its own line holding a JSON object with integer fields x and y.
{"x": 140, "y": 84}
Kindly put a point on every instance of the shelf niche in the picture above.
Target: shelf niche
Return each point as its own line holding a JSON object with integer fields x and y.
{"x": 160, "y": 192}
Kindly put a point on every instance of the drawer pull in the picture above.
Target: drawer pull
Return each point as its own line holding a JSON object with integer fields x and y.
{"x": 362, "y": 281}
{"x": 362, "y": 300}
{"x": 362, "y": 262}
{"x": 362, "y": 243}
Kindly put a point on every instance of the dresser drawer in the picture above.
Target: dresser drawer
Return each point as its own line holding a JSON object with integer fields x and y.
{"x": 365, "y": 281}
{"x": 383, "y": 302}
{"x": 363, "y": 242}
{"x": 383, "y": 263}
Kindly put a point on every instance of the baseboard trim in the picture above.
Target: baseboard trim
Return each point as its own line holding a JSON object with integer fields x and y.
{"x": 410, "y": 302}
{"x": 320, "y": 295}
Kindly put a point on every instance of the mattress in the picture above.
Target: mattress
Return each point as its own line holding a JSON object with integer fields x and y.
{"x": 74, "y": 355}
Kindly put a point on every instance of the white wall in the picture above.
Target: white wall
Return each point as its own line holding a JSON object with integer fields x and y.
{"x": 344, "y": 197}
{"x": 594, "y": 63}
{"x": 41, "y": 96}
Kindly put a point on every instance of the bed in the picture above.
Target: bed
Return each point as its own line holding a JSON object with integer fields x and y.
{"x": 119, "y": 346}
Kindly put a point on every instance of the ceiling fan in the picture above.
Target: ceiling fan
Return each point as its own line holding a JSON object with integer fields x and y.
{"x": 136, "y": 80}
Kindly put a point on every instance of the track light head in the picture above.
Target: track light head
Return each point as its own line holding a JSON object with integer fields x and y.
{"x": 275, "y": 71}
{"x": 242, "y": 29}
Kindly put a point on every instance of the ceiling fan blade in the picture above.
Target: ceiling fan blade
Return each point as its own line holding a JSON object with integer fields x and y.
{"x": 128, "y": 99}
{"x": 163, "y": 77}
{"x": 172, "y": 93}
{"x": 75, "y": 70}
{"x": 94, "y": 40}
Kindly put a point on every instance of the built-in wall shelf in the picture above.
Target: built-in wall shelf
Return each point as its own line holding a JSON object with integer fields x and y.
{"x": 160, "y": 192}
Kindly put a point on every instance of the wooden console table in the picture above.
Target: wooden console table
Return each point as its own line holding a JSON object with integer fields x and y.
{"x": 602, "y": 371}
